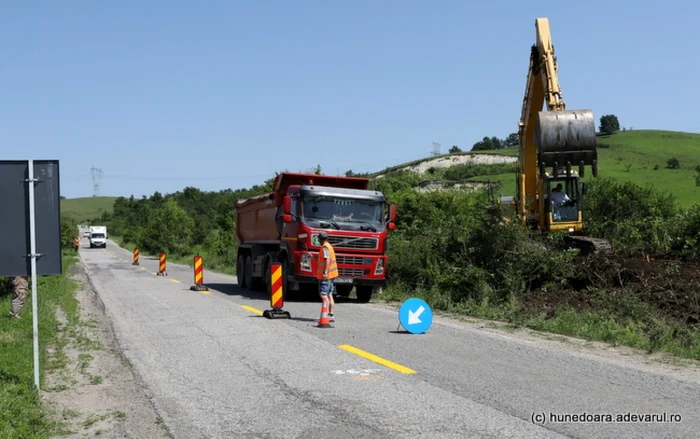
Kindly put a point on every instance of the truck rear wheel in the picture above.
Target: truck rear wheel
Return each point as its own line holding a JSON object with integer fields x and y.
{"x": 364, "y": 293}
{"x": 240, "y": 272}
{"x": 248, "y": 276}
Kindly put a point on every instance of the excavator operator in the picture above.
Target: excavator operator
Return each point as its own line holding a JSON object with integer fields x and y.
{"x": 559, "y": 197}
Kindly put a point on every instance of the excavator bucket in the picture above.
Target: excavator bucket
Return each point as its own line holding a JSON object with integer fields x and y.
{"x": 565, "y": 139}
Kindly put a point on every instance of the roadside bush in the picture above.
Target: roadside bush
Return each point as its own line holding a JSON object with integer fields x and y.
{"x": 456, "y": 245}
{"x": 686, "y": 233}
{"x": 633, "y": 218}
{"x": 69, "y": 230}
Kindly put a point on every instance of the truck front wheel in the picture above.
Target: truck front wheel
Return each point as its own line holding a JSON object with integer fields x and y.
{"x": 364, "y": 293}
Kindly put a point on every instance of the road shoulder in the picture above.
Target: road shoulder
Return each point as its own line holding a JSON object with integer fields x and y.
{"x": 96, "y": 392}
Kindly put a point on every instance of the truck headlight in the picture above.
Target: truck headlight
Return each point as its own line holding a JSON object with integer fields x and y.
{"x": 379, "y": 269}
{"x": 305, "y": 263}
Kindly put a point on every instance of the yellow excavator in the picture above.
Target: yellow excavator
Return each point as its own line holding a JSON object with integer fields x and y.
{"x": 560, "y": 139}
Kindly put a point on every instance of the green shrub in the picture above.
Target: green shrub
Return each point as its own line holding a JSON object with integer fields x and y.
{"x": 633, "y": 218}
{"x": 458, "y": 244}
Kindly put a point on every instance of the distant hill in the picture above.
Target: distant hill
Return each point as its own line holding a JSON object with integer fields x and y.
{"x": 640, "y": 156}
{"x": 84, "y": 209}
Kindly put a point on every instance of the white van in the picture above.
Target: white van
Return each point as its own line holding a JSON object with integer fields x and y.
{"x": 98, "y": 236}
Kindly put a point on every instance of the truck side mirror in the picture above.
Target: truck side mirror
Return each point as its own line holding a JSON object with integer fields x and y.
{"x": 584, "y": 188}
{"x": 391, "y": 226}
{"x": 287, "y": 218}
{"x": 287, "y": 205}
{"x": 392, "y": 213}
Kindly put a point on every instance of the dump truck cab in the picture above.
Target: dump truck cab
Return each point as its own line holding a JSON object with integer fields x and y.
{"x": 356, "y": 222}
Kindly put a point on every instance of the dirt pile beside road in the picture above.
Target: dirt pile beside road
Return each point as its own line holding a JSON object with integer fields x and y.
{"x": 672, "y": 286}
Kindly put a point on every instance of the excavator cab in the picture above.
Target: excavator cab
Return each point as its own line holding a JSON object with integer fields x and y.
{"x": 562, "y": 203}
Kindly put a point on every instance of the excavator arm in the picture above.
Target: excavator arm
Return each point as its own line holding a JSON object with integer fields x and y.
{"x": 556, "y": 138}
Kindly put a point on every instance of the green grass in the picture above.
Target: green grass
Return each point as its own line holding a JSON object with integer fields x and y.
{"x": 630, "y": 156}
{"x": 85, "y": 209}
{"x": 20, "y": 409}
{"x": 615, "y": 318}
{"x": 641, "y": 151}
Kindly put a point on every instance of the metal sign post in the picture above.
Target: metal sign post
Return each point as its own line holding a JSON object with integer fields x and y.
{"x": 33, "y": 255}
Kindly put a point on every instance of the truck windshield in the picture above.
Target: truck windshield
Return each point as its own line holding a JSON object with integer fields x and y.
{"x": 98, "y": 235}
{"x": 344, "y": 211}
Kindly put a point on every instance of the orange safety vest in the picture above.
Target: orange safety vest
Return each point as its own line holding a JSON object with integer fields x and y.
{"x": 321, "y": 262}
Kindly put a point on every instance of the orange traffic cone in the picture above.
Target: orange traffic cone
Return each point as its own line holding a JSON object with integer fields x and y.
{"x": 324, "y": 321}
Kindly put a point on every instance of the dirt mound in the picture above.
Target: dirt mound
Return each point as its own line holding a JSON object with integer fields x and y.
{"x": 670, "y": 285}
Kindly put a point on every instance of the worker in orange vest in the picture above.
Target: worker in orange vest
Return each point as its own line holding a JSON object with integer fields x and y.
{"x": 326, "y": 271}
{"x": 76, "y": 243}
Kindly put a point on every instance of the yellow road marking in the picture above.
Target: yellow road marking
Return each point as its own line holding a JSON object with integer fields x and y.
{"x": 143, "y": 268}
{"x": 376, "y": 359}
{"x": 205, "y": 292}
{"x": 251, "y": 309}
{"x": 175, "y": 280}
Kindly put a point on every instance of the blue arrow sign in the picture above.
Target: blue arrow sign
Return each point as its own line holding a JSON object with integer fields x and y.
{"x": 415, "y": 316}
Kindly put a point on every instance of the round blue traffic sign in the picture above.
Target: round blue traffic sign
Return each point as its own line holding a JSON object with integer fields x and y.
{"x": 415, "y": 316}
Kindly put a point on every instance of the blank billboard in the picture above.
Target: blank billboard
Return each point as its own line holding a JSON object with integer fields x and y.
{"x": 14, "y": 218}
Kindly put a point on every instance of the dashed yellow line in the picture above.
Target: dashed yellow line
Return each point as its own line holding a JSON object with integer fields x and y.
{"x": 376, "y": 359}
{"x": 176, "y": 281}
{"x": 251, "y": 309}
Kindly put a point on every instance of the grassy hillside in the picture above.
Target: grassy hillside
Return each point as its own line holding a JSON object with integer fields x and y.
{"x": 84, "y": 209}
{"x": 638, "y": 156}
{"x": 641, "y": 157}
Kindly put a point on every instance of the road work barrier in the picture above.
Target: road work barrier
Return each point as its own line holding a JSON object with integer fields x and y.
{"x": 324, "y": 321}
{"x": 136, "y": 256}
{"x": 198, "y": 275}
{"x": 161, "y": 265}
{"x": 276, "y": 295}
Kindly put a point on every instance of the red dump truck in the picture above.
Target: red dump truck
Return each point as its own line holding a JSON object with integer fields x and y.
{"x": 283, "y": 226}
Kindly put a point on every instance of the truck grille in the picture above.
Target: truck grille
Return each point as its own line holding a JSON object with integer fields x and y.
{"x": 353, "y": 242}
{"x": 353, "y": 260}
{"x": 352, "y": 272}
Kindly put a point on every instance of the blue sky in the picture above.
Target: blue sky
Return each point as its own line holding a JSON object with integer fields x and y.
{"x": 221, "y": 94}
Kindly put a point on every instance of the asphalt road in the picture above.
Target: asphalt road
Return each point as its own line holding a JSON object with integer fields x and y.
{"x": 216, "y": 368}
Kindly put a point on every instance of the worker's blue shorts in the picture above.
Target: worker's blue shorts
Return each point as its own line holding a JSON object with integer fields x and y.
{"x": 325, "y": 287}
